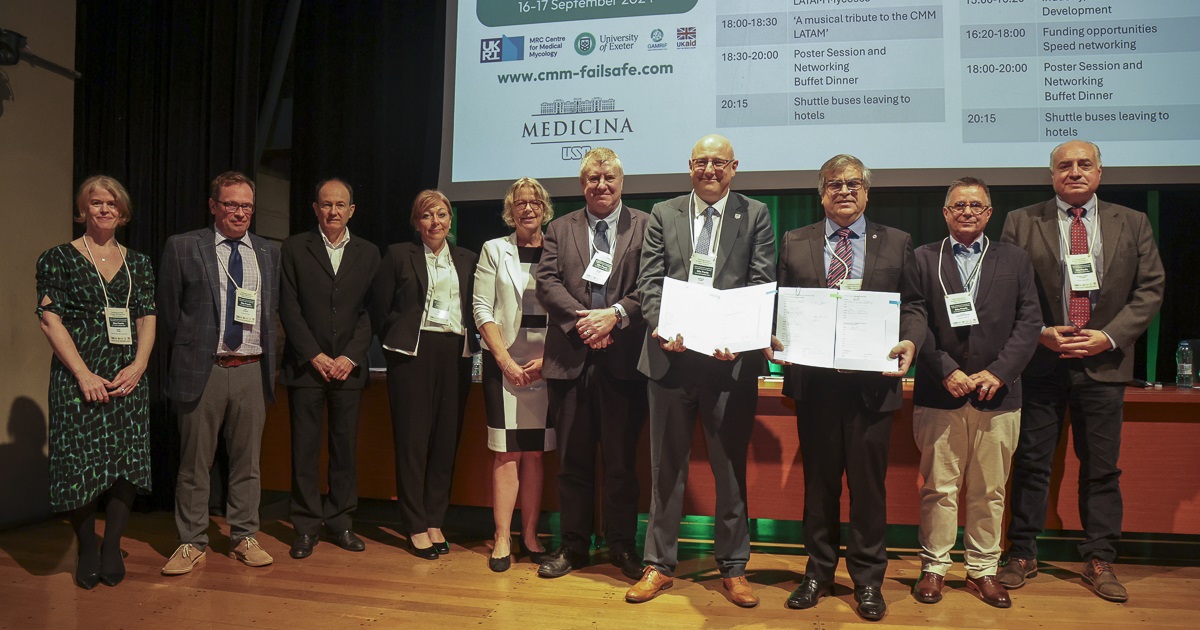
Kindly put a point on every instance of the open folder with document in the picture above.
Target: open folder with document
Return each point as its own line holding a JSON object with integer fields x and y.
{"x": 713, "y": 319}
{"x": 844, "y": 330}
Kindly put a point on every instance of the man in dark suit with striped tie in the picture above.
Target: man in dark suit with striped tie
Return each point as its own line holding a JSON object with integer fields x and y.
{"x": 845, "y": 418}
{"x": 1100, "y": 283}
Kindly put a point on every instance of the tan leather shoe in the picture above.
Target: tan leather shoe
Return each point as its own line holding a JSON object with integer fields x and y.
{"x": 929, "y": 589}
{"x": 1104, "y": 581}
{"x": 990, "y": 590}
{"x": 250, "y": 553}
{"x": 1013, "y": 573}
{"x": 740, "y": 592}
{"x": 651, "y": 584}
{"x": 185, "y": 558}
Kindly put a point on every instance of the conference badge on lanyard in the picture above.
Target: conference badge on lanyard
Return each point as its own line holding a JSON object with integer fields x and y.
{"x": 1081, "y": 270}
{"x": 245, "y": 310}
{"x": 961, "y": 309}
{"x": 599, "y": 268}
{"x": 118, "y": 322}
{"x": 701, "y": 269}
{"x": 848, "y": 284}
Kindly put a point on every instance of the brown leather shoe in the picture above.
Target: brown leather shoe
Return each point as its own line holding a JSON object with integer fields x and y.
{"x": 651, "y": 584}
{"x": 740, "y": 592}
{"x": 929, "y": 589}
{"x": 1104, "y": 581}
{"x": 1013, "y": 573}
{"x": 990, "y": 590}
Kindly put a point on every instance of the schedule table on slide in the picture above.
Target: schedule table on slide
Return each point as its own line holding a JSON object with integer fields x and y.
{"x": 1005, "y": 70}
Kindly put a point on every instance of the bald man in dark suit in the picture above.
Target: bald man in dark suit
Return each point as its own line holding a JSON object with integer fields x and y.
{"x": 1084, "y": 358}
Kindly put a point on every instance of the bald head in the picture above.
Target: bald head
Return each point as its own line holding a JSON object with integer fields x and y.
{"x": 713, "y": 167}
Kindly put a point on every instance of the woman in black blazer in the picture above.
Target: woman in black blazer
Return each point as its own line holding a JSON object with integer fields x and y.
{"x": 422, "y": 314}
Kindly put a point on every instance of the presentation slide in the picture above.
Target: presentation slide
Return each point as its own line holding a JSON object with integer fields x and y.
{"x": 922, "y": 91}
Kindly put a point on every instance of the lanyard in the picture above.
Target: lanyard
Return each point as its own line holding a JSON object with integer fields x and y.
{"x": 124, "y": 265}
{"x": 712, "y": 241}
{"x": 970, "y": 276}
{"x": 1064, "y": 239}
{"x": 845, "y": 264}
{"x": 225, "y": 269}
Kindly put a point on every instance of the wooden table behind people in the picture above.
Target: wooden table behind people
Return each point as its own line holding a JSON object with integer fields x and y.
{"x": 1160, "y": 442}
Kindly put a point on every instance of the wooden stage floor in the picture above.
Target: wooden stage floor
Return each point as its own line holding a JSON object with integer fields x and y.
{"x": 386, "y": 587}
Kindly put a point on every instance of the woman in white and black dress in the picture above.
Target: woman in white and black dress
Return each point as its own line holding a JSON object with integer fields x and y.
{"x": 513, "y": 327}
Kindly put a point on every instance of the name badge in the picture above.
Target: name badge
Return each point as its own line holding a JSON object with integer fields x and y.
{"x": 599, "y": 268}
{"x": 702, "y": 269}
{"x": 851, "y": 285}
{"x": 245, "y": 309}
{"x": 961, "y": 308}
{"x": 438, "y": 313}
{"x": 1082, "y": 272}
{"x": 120, "y": 330}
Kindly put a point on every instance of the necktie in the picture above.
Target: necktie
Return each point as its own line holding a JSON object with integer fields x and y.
{"x": 600, "y": 241}
{"x": 233, "y": 329}
{"x": 842, "y": 260}
{"x": 1079, "y": 308}
{"x": 704, "y": 243}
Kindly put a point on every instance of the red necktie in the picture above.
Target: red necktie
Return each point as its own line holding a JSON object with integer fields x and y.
{"x": 1079, "y": 309}
{"x": 843, "y": 258}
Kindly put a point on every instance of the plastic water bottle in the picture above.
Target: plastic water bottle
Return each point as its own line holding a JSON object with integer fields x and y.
{"x": 1183, "y": 365}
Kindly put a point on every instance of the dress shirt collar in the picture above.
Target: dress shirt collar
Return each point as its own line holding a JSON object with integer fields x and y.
{"x": 440, "y": 259}
{"x": 219, "y": 238}
{"x": 611, "y": 219}
{"x": 699, "y": 205}
{"x": 856, "y": 229}
{"x": 962, "y": 250}
{"x": 1064, "y": 208}
{"x": 341, "y": 243}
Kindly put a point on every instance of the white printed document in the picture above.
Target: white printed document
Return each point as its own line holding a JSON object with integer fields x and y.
{"x": 713, "y": 319}
{"x": 845, "y": 330}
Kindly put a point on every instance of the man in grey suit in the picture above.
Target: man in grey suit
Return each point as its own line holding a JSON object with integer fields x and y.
{"x": 218, "y": 293}
{"x": 844, "y": 419}
{"x": 721, "y": 236}
{"x": 323, "y": 308}
{"x": 984, "y": 322}
{"x": 594, "y": 337}
{"x": 1100, "y": 283}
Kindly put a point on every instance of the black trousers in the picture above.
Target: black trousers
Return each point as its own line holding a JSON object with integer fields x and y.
{"x": 428, "y": 395}
{"x": 1096, "y": 418}
{"x": 597, "y": 409}
{"x": 838, "y": 436}
{"x": 308, "y": 407}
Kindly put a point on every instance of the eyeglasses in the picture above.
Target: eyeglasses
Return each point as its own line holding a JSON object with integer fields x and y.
{"x": 973, "y": 208}
{"x": 233, "y": 206}
{"x": 853, "y": 185}
{"x": 701, "y": 164}
{"x": 535, "y": 204}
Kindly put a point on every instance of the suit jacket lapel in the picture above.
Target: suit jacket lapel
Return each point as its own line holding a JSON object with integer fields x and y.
{"x": 875, "y": 239}
{"x": 949, "y": 270}
{"x": 579, "y": 236}
{"x": 316, "y": 246}
{"x": 1047, "y": 226}
{"x": 624, "y": 236}
{"x": 731, "y": 227}
{"x": 208, "y": 254}
{"x": 987, "y": 270}
{"x": 1111, "y": 227}
{"x": 420, "y": 270}
{"x": 512, "y": 265}
{"x": 815, "y": 239}
{"x": 683, "y": 232}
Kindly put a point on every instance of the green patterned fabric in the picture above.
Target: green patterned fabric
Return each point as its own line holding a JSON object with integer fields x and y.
{"x": 94, "y": 444}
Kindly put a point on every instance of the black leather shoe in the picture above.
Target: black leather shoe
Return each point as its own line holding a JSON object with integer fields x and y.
{"x": 870, "y": 603}
{"x": 302, "y": 547}
{"x": 536, "y": 557}
{"x": 87, "y": 572}
{"x": 112, "y": 570}
{"x": 808, "y": 593}
{"x": 500, "y": 565}
{"x": 629, "y": 564}
{"x": 346, "y": 539}
{"x": 427, "y": 553}
{"x": 561, "y": 563}
{"x": 442, "y": 548}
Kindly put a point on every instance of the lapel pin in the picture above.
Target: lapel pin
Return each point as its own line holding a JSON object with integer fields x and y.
{"x": 874, "y": 236}
{"x": 737, "y": 216}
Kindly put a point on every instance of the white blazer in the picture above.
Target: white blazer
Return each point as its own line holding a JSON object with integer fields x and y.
{"x": 499, "y": 284}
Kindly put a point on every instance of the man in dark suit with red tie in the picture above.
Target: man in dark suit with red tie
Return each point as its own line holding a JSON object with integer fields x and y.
{"x": 597, "y": 396}
{"x": 1100, "y": 283}
{"x": 984, "y": 322}
{"x": 326, "y": 280}
{"x": 845, "y": 418}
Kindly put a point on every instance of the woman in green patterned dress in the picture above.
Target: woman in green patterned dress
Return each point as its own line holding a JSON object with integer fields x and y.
{"x": 96, "y": 306}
